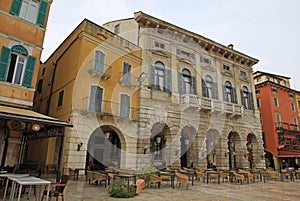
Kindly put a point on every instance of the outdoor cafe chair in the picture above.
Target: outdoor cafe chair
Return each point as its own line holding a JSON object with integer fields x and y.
{"x": 57, "y": 189}
{"x": 200, "y": 175}
{"x": 90, "y": 176}
{"x": 224, "y": 175}
{"x": 99, "y": 177}
{"x": 182, "y": 179}
{"x": 239, "y": 177}
{"x": 154, "y": 179}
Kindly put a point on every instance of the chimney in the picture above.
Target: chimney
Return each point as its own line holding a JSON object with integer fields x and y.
{"x": 230, "y": 46}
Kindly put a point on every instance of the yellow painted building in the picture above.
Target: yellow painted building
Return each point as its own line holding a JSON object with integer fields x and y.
{"x": 92, "y": 81}
{"x": 22, "y": 31}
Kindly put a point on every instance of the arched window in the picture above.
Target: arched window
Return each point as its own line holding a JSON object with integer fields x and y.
{"x": 159, "y": 75}
{"x": 186, "y": 81}
{"x": 245, "y": 96}
{"x": 209, "y": 86}
{"x": 228, "y": 90}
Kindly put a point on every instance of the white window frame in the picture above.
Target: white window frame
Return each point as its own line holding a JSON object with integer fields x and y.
{"x": 30, "y": 13}
{"x": 16, "y": 66}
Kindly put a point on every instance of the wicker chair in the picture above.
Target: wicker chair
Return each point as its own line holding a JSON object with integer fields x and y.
{"x": 182, "y": 179}
{"x": 154, "y": 179}
{"x": 99, "y": 177}
{"x": 90, "y": 176}
{"x": 224, "y": 176}
{"x": 200, "y": 175}
{"x": 239, "y": 177}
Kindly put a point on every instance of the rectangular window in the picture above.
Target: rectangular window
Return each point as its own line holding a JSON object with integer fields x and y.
{"x": 225, "y": 67}
{"x": 296, "y": 127}
{"x": 40, "y": 86}
{"x": 126, "y": 72}
{"x": 205, "y": 60}
{"x": 264, "y": 140}
{"x": 185, "y": 53}
{"x": 258, "y": 79}
{"x": 275, "y": 101}
{"x": 298, "y": 103}
{"x": 159, "y": 45}
{"x": 117, "y": 29}
{"x": 257, "y": 91}
{"x": 29, "y": 10}
{"x": 125, "y": 106}
{"x": 60, "y": 98}
{"x": 99, "y": 61}
{"x": 95, "y": 99}
{"x": 291, "y": 95}
{"x": 274, "y": 90}
{"x": 258, "y": 102}
{"x": 278, "y": 120}
{"x": 16, "y": 69}
{"x": 243, "y": 73}
{"x": 293, "y": 106}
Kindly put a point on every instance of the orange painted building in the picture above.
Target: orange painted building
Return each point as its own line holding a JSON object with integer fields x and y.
{"x": 279, "y": 115}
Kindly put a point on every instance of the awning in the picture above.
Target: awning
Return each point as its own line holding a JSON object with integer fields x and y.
{"x": 29, "y": 116}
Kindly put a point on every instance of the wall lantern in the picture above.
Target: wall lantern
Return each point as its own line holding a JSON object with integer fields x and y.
{"x": 36, "y": 127}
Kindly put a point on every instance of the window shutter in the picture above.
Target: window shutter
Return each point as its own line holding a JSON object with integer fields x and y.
{"x": 234, "y": 97}
{"x": 215, "y": 91}
{"x": 99, "y": 61}
{"x": 126, "y": 72}
{"x": 251, "y": 101}
{"x": 194, "y": 85}
{"x": 124, "y": 106}
{"x": 152, "y": 78}
{"x": 95, "y": 99}
{"x": 204, "y": 89}
{"x": 28, "y": 74}
{"x": 4, "y": 62}
{"x": 225, "y": 97}
{"x": 242, "y": 98}
{"x": 41, "y": 18}
{"x": 180, "y": 84}
{"x": 168, "y": 81}
{"x": 15, "y": 7}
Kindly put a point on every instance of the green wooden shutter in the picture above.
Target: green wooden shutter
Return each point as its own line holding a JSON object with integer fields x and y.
{"x": 4, "y": 62}
{"x": 234, "y": 97}
{"x": 168, "y": 81}
{"x": 225, "y": 97}
{"x": 251, "y": 101}
{"x": 204, "y": 88}
{"x": 41, "y": 18}
{"x": 152, "y": 79}
{"x": 180, "y": 84}
{"x": 242, "y": 98}
{"x": 194, "y": 85}
{"x": 15, "y": 7}
{"x": 28, "y": 74}
{"x": 215, "y": 91}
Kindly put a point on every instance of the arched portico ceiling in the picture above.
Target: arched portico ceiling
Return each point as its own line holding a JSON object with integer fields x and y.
{"x": 159, "y": 128}
{"x": 234, "y": 136}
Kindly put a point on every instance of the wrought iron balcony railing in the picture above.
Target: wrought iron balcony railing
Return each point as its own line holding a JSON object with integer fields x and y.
{"x": 99, "y": 70}
{"x": 203, "y": 103}
{"x": 129, "y": 80}
{"x": 287, "y": 127}
{"x": 108, "y": 108}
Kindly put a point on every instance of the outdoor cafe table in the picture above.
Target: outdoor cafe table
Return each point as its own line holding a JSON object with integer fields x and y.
{"x": 166, "y": 173}
{"x": 28, "y": 181}
{"x": 6, "y": 175}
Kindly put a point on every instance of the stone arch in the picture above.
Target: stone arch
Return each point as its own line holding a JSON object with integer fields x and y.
{"x": 106, "y": 148}
{"x": 213, "y": 148}
{"x": 187, "y": 144}
{"x": 235, "y": 150}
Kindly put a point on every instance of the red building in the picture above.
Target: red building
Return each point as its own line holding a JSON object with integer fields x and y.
{"x": 279, "y": 116}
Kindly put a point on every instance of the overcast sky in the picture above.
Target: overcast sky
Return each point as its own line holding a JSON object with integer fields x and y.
{"x": 264, "y": 29}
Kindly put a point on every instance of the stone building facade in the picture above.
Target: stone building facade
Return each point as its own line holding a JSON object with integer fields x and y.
{"x": 196, "y": 99}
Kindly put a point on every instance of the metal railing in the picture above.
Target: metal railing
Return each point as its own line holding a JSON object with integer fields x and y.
{"x": 287, "y": 126}
{"x": 192, "y": 100}
{"x": 129, "y": 79}
{"x": 109, "y": 108}
{"x": 100, "y": 70}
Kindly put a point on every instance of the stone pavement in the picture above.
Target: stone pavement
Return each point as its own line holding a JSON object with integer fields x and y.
{"x": 271, "y": 190}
